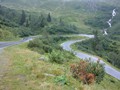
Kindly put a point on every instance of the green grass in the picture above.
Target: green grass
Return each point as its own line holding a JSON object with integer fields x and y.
{"x": 6, "y": 35}
{"x": 27, "y": 72}
{"x": 14, "y": 39}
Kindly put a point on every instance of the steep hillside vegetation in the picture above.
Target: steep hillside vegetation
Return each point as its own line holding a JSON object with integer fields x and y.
{"x": 75, "y": 12}
{"x": 23, "y": 23}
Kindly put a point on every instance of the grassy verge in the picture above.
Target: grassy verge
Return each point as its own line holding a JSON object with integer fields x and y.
{"x": 27, "y": 72}
{"x": 15, "y": 39}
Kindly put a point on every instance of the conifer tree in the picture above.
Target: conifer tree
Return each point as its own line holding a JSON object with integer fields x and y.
{"x": 49, "y": 18}
{"x": 23, "y": 18}
{"x": 43, "y": 21}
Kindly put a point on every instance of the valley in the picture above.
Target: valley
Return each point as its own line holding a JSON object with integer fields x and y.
{"x": 59, "y": 44}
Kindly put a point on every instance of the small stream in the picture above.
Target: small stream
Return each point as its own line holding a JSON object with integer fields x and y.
{"x": 110, "y": 21}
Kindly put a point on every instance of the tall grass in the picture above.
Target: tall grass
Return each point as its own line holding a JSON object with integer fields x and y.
{"x": 27, "y": 72}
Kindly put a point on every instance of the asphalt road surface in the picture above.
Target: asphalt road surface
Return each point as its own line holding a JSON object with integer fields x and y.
{"x": 6, "y": 44}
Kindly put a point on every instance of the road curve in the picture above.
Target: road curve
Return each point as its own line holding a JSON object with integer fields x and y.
{"x": 6, "y": 44}
{"x": 108, "y": 69}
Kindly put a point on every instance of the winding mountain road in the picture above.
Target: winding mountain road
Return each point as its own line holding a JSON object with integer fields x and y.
{"x": 66, "y": 46}
{"x": 109, "y": 70}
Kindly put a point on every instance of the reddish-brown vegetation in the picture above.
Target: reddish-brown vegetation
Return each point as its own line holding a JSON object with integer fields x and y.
{"x": 81, "y": 71}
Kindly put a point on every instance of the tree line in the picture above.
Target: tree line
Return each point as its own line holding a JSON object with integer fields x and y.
{"x": 24, "y": 23}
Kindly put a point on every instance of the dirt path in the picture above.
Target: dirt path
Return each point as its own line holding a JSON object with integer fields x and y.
{"x": 4, "y": 61}
{"x": 4, "y": 67}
